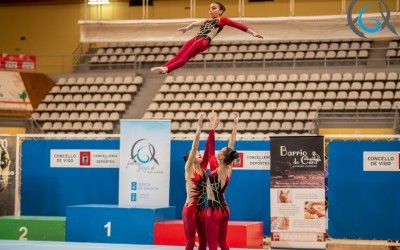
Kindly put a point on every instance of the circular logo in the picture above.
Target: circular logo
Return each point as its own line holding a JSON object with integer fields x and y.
{"x": 385, "y": 13}
{"x": 143, "y": 152}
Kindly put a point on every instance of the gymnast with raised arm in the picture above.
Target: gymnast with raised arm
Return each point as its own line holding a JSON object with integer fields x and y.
{"x": 194, "y": 214}
{"x": 218, "y": 180}
{"x": 209, "y": 28}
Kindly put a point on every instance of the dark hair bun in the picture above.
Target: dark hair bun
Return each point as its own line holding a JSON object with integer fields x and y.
{"x": 230, "y": 156}
{"x": 234, "y": 155}
{"x": 186, "y": 156}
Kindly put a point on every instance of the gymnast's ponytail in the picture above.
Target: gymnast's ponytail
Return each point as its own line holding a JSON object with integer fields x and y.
{"x": 230, "y": 155}
{"x": 186, "y": 156}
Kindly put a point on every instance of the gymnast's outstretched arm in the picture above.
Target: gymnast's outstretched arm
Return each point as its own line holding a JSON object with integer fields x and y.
{"x": 195, "y": 145}
{"x": 232, "y": 138}
{"x": 192, "y": 25}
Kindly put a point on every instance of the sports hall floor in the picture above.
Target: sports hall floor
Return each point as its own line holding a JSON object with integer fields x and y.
{"x": 50, "y": 245}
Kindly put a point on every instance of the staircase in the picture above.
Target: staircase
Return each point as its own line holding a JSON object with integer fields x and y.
{"x": 377, "y": 54}
{"x": 141, "y": 101}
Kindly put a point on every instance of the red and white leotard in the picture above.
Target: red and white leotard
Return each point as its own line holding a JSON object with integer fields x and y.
{"x": 218, "y": 209}
{"x": 194, "y": 213}
{"x": 208, "y": 30}
{"x": 212, "y": 27}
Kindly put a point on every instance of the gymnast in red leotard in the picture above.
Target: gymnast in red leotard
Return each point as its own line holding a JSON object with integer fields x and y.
{"x": 218, "y": 180}
{"x": 194, "y": 213}
{"x": 209, "y": 28}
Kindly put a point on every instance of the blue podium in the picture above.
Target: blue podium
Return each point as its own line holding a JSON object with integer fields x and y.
{"x": 114, "y": 224}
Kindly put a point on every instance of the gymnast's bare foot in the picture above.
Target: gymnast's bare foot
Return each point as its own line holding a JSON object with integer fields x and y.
{"x": 160, "y": 70}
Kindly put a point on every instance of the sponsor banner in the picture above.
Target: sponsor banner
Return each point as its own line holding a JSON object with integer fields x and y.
{"x": 144, "y": 172}
{"x": 381, "y": 161}
{"x": 81, "y": 158}
{"x": 251, "y": 160}
{"x": 28, "y": 62}
{"x": 10, "y": 61}
{"x": 13, "y": 94}
{"x": 7, "y": 175}
{"x": 297, "y": 192}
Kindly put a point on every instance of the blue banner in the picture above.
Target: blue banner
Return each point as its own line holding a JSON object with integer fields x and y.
{"x": 362, "y": 204}
{"x": 48, "y": 191}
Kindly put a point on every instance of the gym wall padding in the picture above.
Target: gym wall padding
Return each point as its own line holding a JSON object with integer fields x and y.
{"x": 48, "y": 191}
{"x": 362, "y": 204}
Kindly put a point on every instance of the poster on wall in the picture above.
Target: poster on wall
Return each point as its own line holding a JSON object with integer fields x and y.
{"x": 7, "y": 175}
{"x": 144, "y": 168}
{"x": 13, "y": 94}
{"x": 251, "y": 160}
{"x": 84, "y": 158}
{"x": 298, "y": 192}
{"x": 13, "y": 61}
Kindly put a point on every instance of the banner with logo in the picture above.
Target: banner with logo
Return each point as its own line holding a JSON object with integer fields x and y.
{"x": 84, "y": 158}
{"x": 358, "y": 20}
{"x": 7, "y": 174}
{"x": 144, "y": 172}
{"x": 251, "y": 160}
{"x": 297, "y": 192}
{"x": 11, "y": 61}
{"x": 364, "y": 190}
{"x": 58, "y": 173}
{"x": 13, "y": 94}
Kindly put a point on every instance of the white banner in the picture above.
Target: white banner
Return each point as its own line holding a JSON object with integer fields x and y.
{"x": 252, "y": 160}
{"x": 317, "y": 27}
{"x": 145, "y": 148}
{"x": 13, "y": 94}
{"x": 81, "y": 158}
{"x": 381, "y": 161}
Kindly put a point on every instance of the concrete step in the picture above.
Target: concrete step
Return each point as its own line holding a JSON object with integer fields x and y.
{"x": 141, "y": 101}
{"x": 377, "y": 54}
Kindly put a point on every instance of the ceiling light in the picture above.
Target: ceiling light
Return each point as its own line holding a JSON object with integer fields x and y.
{"x": 98, "y": 2}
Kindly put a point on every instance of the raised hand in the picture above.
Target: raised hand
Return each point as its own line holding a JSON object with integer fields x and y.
{"x": 235, "y": 118}
{"x": 258, "y": 35}
{"x": 200, "y": 121}
{"x": 255, "y": 34}
{"x": 214, "y": 120}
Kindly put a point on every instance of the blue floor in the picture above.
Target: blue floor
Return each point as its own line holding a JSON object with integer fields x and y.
{"x": 51, "y": 245}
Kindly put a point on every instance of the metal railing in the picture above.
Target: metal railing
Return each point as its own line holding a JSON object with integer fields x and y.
{"x": 20, "y": 120}
{"x": 357, "y": 118}
{"x": 292, "y": 63}
{"x": 79, "y": 61}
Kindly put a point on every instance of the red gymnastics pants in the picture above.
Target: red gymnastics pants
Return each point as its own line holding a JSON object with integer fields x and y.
{"x": 194, "y": 221}
{"x": 217, "y": 228}
{"x": 189, "y": 50}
